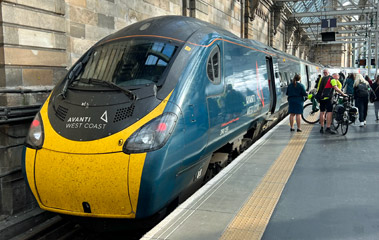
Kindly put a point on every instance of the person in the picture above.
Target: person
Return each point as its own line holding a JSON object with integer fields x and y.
{"x": 348, "y": 85}
{"x": 341, "y": 77}
{"x": 336, "y": 76}
{"x": 375, "y": 89}
{"x": 361, "y": 93}
{"x": 368, "y": 79}
{"x": 317, "y": 80}
{"x": 296, "y": 93}
{"x": 325, "y": 89}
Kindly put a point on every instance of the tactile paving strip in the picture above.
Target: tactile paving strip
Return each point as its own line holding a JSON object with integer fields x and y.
{"x": 252, "y": 219}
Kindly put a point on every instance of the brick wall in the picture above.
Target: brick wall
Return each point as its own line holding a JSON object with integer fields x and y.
{"x": 89, "y": 21}
{"x": 223, "y": 13}
{"x": 34, "y": 51}
{"x": 330, "y": 54}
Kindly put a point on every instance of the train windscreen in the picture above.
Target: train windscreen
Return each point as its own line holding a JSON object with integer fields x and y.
{"x": 128, "y": 63}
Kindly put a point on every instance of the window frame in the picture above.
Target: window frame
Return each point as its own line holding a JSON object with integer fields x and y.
{"x": 215, "y": 80}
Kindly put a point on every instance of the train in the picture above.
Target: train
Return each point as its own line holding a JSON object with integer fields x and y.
{"x": 149, "y": 112}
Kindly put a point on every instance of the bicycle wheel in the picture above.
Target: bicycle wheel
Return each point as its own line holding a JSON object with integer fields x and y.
{"x": 344, "y": 127}
{"x": 309, "y": 116}
{"x": 345, "y": 123}
{"x": 335, "y": 123}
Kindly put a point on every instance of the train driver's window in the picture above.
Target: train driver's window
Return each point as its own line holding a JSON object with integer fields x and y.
{"x": 213, "y": 66}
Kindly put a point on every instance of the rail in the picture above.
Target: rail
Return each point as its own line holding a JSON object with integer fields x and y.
{"x": 12, "y": 114}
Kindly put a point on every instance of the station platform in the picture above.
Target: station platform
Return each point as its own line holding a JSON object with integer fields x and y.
{"x": 289, "y": 185}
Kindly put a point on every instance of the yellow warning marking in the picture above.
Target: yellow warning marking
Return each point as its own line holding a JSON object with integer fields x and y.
{"x": 187, "y": 48}
{"x": 252, "y": 219}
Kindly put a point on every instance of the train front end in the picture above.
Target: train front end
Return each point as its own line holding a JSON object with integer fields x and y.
{"x": 86, "y": 148}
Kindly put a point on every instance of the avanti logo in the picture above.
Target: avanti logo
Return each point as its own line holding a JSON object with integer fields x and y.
{"x": 104, "y": 117}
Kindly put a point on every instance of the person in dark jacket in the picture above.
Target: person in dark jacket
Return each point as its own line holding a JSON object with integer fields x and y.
{"x": 375, "y": 88}
{"x": 296, "y": 93}
{"x": 348, "y": 85}
{"x": 317, "y": 80}
{"x": 341, "y": 78}
{"x": 361, "y": 93}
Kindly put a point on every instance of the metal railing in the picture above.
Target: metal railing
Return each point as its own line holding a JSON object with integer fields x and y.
{"x": 12, "y": 114}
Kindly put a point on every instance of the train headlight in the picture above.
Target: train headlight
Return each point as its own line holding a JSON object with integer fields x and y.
{"x": 35, "y": 136}
{"x": 151, "y": 136}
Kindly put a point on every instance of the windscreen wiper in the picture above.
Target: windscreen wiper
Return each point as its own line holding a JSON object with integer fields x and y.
{"x": 132, "y": 96}
{"x": 74, "y": 73}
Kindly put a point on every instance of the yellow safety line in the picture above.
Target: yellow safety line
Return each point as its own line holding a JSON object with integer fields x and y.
{"x": 252, "y": 219}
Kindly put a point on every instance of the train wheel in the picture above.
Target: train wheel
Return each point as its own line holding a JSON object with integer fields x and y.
{"x": 309, "y": 116}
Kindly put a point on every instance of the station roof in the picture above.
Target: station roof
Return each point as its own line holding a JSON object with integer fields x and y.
{"x": 356, "y": 20}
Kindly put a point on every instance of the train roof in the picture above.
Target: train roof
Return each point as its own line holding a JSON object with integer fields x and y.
{"x": 177, "y": 27}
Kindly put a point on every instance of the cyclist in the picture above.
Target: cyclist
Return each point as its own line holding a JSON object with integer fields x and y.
{"x": 326, "y": 88}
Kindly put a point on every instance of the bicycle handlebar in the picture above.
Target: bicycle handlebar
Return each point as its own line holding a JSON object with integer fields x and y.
{"x": 348, "y": 97}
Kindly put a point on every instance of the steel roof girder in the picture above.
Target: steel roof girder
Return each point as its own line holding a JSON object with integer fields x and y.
{"x": 332, "y": 13}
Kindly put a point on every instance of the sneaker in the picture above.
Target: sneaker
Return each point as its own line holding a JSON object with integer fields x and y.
{"x": 364, "y": 122}
{"x": 299, "y": 130}
{"x": 322, "y": 130}
{"x": 361, "y": 124}
{"x": 331, "y": 131}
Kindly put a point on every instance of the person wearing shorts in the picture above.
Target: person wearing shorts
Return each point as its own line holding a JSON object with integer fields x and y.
{"x": 328, "y": 84}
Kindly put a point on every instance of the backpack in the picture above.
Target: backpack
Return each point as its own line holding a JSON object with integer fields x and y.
{"x": 362, "y": 90}
{"x": 322, "y": 91}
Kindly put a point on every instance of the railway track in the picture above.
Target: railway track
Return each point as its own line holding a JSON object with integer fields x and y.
{"x": 58, "y": 228}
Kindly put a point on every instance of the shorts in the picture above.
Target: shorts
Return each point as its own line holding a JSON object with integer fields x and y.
{"x": 327, "y": 105}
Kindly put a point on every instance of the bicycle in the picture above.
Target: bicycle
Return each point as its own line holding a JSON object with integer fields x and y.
{"x": 344, "y": 113}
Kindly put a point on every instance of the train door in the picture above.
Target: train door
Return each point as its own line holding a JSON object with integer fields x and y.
{"x": 271, "y": 84}
{"x": 214, "y": 92}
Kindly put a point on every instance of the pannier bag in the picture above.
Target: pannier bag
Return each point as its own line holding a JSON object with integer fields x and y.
{"x": 340, "y": 109}
{"x": 353, "y": 114}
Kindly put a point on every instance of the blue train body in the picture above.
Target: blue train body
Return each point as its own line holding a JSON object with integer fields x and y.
{"x": 224, "y": 91}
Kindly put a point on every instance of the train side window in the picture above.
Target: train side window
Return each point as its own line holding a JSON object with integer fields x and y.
{"x": 283, "y": 82}
{"x": 213, "y": 66}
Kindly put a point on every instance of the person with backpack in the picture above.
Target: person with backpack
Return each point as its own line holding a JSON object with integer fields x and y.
{"x": 325, "y": 91}
{"x": 361, "y": 93}
{"x": 375, "y": 96}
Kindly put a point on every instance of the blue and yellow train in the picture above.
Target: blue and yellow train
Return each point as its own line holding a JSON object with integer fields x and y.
{"x": 150, "y": 111}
